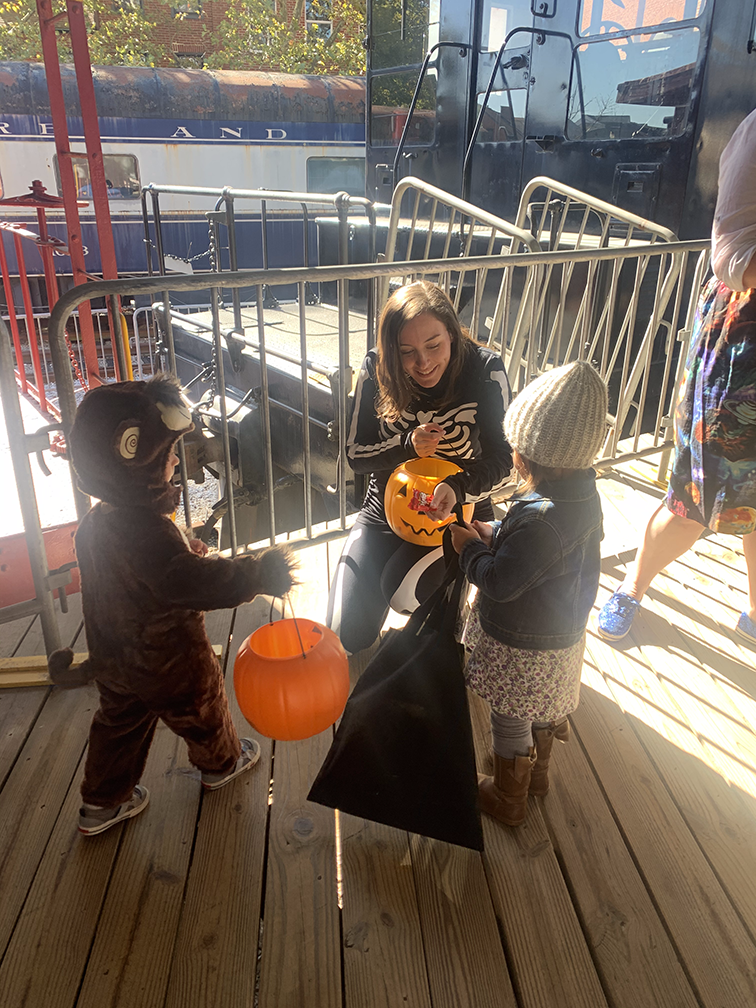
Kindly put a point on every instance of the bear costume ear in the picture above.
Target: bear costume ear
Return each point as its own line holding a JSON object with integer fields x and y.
{"x": 126, "y": 440}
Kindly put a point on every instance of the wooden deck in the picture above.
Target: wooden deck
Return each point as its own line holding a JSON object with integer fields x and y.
{"x": 632, "y": 884}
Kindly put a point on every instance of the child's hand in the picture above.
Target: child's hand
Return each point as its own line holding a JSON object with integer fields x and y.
{"x": 442, "y": 502}
{"x": 461, "y": 534}
{"x": 425, "y": 439}
{"x": 485, "y": 531}
{"x": 198, "y": 547}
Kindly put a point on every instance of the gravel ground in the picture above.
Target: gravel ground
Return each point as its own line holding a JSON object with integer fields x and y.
{"x": 202, "y": 497}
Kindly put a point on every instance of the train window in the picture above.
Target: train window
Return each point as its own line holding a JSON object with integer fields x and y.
{"x": 336, "y": 174}
{"x": 121, "y": 173}
{"x": 599, "y": 17}
{"x": 505, "y": 116}
{"x": 638, "y": 87}
{"x": 402, "y": 31}
{"x": 498, "y": 18}
{"x": 391, "y": 95}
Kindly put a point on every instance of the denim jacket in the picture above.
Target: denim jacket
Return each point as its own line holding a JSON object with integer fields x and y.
{"x": 539, "y": 579}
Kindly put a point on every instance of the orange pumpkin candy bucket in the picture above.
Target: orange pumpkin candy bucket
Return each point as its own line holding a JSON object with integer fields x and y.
{"x": 291, "y": 679}
{"x": 408, "y": 490}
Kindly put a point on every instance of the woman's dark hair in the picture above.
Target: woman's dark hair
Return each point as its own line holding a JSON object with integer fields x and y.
{"x": 396, "y": 388}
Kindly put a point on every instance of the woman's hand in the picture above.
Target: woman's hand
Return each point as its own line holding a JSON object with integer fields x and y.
{"x": 485, "y": 531}
{"x": 442, "y": 502}
{"x": 425, "y": 439}
{"x": 461, "y": 534}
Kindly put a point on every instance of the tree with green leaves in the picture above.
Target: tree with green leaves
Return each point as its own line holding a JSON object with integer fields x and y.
{"x": 117, "y": 35}
{"x": 256, "y": 36}
{"x": 315, "y": 36}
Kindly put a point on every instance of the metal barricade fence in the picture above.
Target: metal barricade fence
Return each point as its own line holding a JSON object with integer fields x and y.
{"x": 31, "y": 350}
{"x": 425, "y": 222}
{"x": 632, "y": 346}
{"x": 564, "y": 217}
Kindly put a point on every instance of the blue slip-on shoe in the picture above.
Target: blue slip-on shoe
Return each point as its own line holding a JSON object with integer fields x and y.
{"x": 746, "y": 628}
{"x": 617, "y": 615}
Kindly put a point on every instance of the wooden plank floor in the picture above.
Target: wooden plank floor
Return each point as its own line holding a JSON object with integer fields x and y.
{"x": 631, "y": 885}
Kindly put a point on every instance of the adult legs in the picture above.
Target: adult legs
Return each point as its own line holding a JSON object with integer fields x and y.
{"x": 667, "y": 537}
{"x": 749, "y": 551}
{"x": 356, "y": 604}
{"x": 411, "y": 576}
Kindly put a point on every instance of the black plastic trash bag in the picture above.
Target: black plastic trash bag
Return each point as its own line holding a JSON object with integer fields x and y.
{"x": 403, "y": 753}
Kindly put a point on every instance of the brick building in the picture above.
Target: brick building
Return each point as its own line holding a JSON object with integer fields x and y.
{"x": 186, "y": 27}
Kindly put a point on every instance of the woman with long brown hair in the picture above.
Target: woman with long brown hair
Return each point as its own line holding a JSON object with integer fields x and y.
{"x": 426, "y": 389}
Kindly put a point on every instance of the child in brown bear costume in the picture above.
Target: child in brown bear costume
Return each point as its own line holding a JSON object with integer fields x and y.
{"x": 144, "y": 591}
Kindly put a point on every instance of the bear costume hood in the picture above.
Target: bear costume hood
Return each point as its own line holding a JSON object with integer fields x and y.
{"x": 122, "y": 437}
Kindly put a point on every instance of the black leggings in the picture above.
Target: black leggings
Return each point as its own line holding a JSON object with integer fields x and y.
{"x": 376, "y": 570}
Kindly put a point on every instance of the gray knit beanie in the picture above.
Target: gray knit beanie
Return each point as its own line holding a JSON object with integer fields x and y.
{"x": 559, "y": 420}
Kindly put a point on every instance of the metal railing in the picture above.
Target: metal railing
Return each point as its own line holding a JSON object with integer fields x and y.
{"x": 21, "y": 446}
{"x": 426, "y": 222}
{"x": 640, "y": 367}
{"x": 564, "y": 217}
{"x": 32, "y": 342}
{"x": 224, "y": 214}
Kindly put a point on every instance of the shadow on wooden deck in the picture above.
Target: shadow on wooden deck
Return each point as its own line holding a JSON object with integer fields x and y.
{"x": 631, "y": 885}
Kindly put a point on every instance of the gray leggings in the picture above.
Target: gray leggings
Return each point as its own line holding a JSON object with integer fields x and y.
{"x": 513, "y": 736}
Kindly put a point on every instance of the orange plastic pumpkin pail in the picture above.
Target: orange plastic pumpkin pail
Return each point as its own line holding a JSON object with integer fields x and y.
{"x": 291, "y": 679}
{"x": 408, "y": 490}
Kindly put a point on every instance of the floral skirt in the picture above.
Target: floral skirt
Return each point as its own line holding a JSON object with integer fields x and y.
{"x": 713, "y": 479}
{"x": 533, "y": 685}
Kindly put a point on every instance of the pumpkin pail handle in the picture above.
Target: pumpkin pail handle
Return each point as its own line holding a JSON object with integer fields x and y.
{"x": 284, "y": 600}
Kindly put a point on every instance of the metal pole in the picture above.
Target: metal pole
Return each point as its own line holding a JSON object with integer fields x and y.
{"x": 306, "y": 460}
{"x": 116, "y": 338}
{"x": 30, "y": 327}
{"x": 345, "y": 370}
{"x": 268, "y": 448}
{"x": 232, "y": 260}
{"x": 47, "y": 22}
{"x": 168, "y": 347}
{"x": 221, "y": 386}
{"x": 17, "y": 440}
{"x": 146, "y": 228}
{"x": 85, "y": 86}
{"x": 12, "y": 314}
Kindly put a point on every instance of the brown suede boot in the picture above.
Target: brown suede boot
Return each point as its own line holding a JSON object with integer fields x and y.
{"x": 505, "y": 795}
{"x": 544, "y": 740}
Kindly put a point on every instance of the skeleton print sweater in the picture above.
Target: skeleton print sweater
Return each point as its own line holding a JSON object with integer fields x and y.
{"x": 473, "y": 435}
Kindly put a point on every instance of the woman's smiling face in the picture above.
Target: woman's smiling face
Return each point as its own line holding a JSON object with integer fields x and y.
{"x": 425, "y": 349}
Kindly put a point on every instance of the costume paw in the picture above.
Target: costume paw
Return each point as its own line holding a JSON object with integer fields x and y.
{"x": 61, "y": 670}
{"x": 274, "y": 573}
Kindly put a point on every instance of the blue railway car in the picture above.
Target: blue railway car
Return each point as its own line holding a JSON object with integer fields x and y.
{"x": 190, "y": 128}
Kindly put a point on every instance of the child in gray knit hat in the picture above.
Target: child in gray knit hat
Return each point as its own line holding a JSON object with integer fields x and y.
{"x": 537, "y": 575}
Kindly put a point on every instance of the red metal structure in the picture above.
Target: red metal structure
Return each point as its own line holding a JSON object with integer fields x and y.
{"x": 39, "y": 200}
{"x": 74, "y": 14}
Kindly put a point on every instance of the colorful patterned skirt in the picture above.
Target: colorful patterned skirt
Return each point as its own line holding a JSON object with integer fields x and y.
{"x": 713, "y": 479}
{"x": 532, "y": 685}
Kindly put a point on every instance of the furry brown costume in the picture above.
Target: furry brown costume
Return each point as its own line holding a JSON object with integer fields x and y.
{"x": 144, "y": 593}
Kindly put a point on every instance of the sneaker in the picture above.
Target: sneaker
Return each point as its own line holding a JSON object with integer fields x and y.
{"x": 94, "y": 820}
{"x": 249, "y": 756}
{"x": 617, "y": 615}
{"x": 746, "y": 628}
